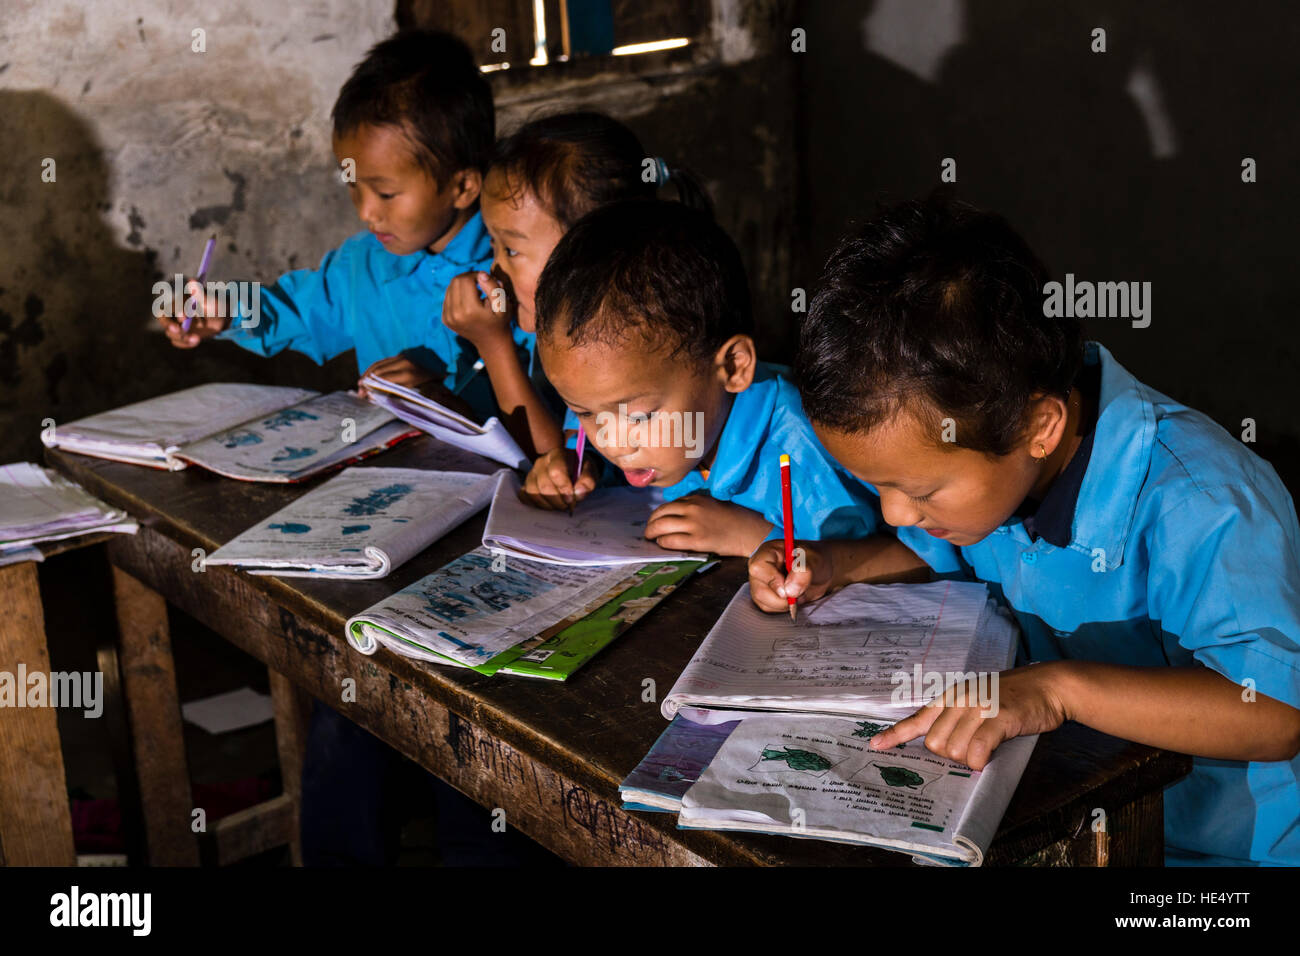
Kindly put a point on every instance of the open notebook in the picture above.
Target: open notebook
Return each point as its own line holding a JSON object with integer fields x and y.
{"x": 491, "y": 440}
{"x": 362, "y": 523}
{"x": 843, "y": 654}
{"x": 251, "y": 432}
{"x": 605, "y": 528}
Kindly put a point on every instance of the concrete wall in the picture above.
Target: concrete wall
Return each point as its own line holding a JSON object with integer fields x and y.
{"x": 1116, "y": 166}
{"x": 155, "y": 148}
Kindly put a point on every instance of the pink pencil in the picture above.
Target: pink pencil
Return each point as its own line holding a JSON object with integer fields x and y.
{"x": 582, "y": 446}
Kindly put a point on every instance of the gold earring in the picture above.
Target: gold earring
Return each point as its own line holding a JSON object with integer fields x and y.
{"x": 1043, "y": 449}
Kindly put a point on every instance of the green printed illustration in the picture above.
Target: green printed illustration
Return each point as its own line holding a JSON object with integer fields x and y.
{"x": 797, "y": 759}
{"x": 867, "y": 729}
{"x": 901, "y": 777}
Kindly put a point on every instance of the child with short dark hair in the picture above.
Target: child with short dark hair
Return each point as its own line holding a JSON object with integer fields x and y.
{"x": 543, "y": 178}
{"x": 1150, "y": 559}
{"x": 413, "y": 131}
{"x": 644, "y": 329}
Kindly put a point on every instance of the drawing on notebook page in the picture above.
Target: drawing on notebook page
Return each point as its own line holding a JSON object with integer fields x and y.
{"x": 794, "y": 758}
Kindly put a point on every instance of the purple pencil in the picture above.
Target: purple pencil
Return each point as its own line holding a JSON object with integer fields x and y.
{"x": 582, "y": 446}
{"x": 203, "y": 271}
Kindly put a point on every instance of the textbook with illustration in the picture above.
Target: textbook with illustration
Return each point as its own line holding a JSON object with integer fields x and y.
{"x": 491, "y": 440}
{"x": 362, "y": 523}
{"x": 815, "y": 776}
{"x": 255, "y": 432}
{"x": 483, "y": 613}
{"x": 296, "y": 443}
{"x": 607, "y": 527}
{"x": 37, "y": 505}
{"x": 846, "y": 651}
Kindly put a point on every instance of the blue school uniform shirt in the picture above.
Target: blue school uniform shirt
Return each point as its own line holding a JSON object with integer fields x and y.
{"x": 1174, "y": 546}
{"x": 365, "y": 298}
{"x": 766, "y": 421}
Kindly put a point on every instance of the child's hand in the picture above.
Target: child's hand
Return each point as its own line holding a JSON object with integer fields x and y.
{"x": 1027, "y": 700}
{"x": 550, "y": 484}
{"x": 472, "y": 317}
{"x": 202, "y": 326}
{"x": 699, "y": 522}
{"x": 402, "y": 371}
{"x": 770, "y": 581}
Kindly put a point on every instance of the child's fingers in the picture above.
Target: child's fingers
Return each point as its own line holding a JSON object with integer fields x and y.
{"x": 766, "y": 576}
{"x": 660, "y": 524}
{"x": 681, "y": 541}
{"x": 487, "y": 283}
{"x": 909, "y": 728}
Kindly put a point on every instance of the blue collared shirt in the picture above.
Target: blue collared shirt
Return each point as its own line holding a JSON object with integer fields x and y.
{"x": 1183, "y": 550}
{"x": 365, "y": 298}
{"x": 766, "y": 421}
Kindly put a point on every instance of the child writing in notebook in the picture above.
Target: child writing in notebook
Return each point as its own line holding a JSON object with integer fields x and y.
{"x": 1152, "y": 560}
{"x": 542, "y": 179}
{"x": 413, "y": 130}
{"x": 644, "y": 329}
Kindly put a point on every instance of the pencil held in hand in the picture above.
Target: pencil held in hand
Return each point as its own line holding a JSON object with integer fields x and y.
{"x": 203, "y": 271}
{"x": 787, "y": 514}
{"x": 582, "y": 446}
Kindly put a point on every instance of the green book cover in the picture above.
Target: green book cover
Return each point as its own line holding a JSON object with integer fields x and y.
{"x": 557, "y": 656}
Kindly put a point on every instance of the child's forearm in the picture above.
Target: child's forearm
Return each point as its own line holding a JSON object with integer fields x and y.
{"x": 1193, "y": 710}
{"x": 539, "y": 432}
{"x": 877, "y": 559}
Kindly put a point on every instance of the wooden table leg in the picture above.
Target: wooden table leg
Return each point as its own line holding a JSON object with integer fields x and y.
{"x": 153, "y": 707}
{"x": 35, "y": 822}
{"x": 290, "y": 706}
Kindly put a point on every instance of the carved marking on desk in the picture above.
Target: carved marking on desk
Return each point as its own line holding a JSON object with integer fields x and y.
{"x": 306, "y": 640}
{"x": 624, "y": 833}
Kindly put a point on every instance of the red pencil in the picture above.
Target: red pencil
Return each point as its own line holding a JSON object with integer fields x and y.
{"x": 787, "y": 510}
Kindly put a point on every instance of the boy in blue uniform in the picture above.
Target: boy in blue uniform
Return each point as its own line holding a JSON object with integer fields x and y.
{"x": 413, "y": 130}
{"x": 643, "y": 326}
{"x": 1152, "y": 561}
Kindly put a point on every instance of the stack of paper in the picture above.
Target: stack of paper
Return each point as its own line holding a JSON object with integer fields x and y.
{"x": 362, "y": 523}
{"x": 490, "y": 440}
{"x": 152, "y": 431}
{"x": 677, "y": 759}
{"x": 606, "y": 527}
{"x": 38, "y": 505}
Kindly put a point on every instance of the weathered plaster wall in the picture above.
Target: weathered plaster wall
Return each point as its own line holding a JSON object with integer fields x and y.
{"x": 156, "y": 147}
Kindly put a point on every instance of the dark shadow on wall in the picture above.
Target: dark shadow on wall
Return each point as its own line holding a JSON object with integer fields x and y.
{"x": 1048, "y": 133}
{"x": 76, "y": 331}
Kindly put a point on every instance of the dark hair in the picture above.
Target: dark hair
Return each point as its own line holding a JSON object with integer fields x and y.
{"x": 934, "y": 308}
{"x": 574, "y": 162}
{"x": 659, "y": 269}
{"x": 427, "y": 83}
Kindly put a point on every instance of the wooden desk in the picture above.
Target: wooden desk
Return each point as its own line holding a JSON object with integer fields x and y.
{"x": 551, "y": 755}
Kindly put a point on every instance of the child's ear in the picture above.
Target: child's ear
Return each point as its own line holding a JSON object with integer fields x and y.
{"x": 1048, "y": 417}
{"x": 467, "y": 185}
{"x": 735, "y": 363}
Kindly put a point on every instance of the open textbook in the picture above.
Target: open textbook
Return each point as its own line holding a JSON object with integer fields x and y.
{"x": 252, "y": 432}
{"x": 491, "y": 440}
{"x": 478, "y": 606}
{"x": 524, "y": 618}
{"x": 37, "y": 505}
{"x": 815, "y": 776}
{"x": 605, "y": 528}
{"x": 361, "y": 523}
{"x": 871, "y": 650}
